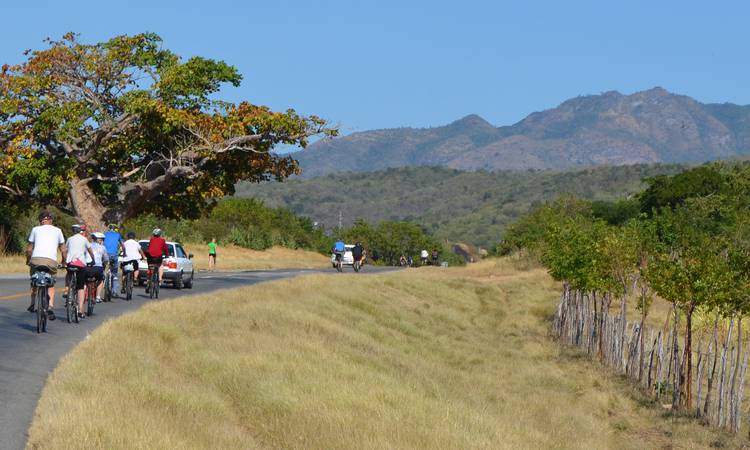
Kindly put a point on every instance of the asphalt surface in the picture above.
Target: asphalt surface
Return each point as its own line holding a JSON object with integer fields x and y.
{"x": 27, "y": 358}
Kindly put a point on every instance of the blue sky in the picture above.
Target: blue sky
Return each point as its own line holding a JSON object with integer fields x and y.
{"x": 382, "y": 64}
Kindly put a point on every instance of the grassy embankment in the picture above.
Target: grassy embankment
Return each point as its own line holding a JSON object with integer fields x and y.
{"x": 424, "y": 358}
{"x": 229, "y": 258}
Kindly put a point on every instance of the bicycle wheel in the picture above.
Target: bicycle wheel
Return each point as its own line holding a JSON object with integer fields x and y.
{"x": 45, "y": 304}
{"x": 129, "y": 286}
{"x": 69, "y": 310}
{"x": 107, "y": 286}
{"x": 90, "y": 298}
{"x": 151, "y": 285}
{"x": 156, "y": 284}
{"x": 70, "y": 313}
{"x": 356, "y": 266}
{"x": 41, "y": 314}
{"x": 74, "y": 307}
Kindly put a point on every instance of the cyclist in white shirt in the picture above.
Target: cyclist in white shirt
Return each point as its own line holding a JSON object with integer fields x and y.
{"x": 79, "y": 256}
{"x": 41, "y": 252}
{"x": 100, "y": 258}
{"x": 132, "y": 253}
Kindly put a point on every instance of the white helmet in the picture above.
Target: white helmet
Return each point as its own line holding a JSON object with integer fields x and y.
{"x": 156, "y": 232}
{"x": 98, "y": 235}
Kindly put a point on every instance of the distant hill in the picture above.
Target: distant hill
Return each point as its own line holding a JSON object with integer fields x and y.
{"x": 652, "y": 126}
{"x": 472, "y": 207}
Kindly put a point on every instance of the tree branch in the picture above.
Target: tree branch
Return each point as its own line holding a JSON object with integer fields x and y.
{"x": 12, "y": 191}
{"x": 122, "y": 176}
{"x": 136, "y": 194}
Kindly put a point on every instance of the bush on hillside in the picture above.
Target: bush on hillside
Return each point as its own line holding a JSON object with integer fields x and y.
{"x": 244, "y": 222}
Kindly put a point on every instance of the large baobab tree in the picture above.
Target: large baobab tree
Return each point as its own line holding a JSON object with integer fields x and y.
{"x": 110, "y": 130}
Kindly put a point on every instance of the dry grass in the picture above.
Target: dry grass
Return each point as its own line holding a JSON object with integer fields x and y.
{"x": 13, "y": 264}
{"x": 428, "y": 358}
{"x": 229, "y": 258}
{"x": 237, "y": 258}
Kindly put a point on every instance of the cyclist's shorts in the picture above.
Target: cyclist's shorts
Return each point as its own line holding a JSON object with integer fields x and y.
{"x": 49, "y": 265}
{"x": 81, "y": 275}
{"x": 133, "y": 263}
{"x": 95, "y": 272}
{"x": 156, "y": 261}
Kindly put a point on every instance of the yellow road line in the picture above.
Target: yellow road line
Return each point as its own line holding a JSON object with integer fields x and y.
{"x": 14, "y": 296}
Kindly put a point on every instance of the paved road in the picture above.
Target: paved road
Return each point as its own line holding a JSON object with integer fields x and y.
{"x": 26, "y": 359}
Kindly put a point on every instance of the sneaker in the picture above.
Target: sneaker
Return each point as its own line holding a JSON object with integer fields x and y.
{"x": 51, "y": 315}
{"x": 147, "y": 289}
{"x": 98, "y": 299}
{"x": 31, "y": 309}
{"x": 81, "y": 315}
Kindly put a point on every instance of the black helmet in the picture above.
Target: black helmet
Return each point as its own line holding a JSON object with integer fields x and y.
{"x": 131, "y": 235}
{"x": 358, "y": 244}
{"x": 76, "y": 228}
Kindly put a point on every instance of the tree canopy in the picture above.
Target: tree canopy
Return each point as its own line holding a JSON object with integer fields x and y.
{"x": 110, "y": 130}
{"x": 690, "y": 245}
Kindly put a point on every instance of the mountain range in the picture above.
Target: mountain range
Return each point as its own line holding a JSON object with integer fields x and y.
{"x": 652, "y": 126}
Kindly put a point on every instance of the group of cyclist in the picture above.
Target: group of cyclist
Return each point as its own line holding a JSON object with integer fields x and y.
{"x": 359, "y": 255}
{"x": 89, "y": 254}
{"x": 424, "y": 256}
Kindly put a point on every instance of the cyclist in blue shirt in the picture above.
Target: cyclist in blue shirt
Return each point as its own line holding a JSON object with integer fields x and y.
{"x": 113, "y": 244}
{"x": 338, "y": 249}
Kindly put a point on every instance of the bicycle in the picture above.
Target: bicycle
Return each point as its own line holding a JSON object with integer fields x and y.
{"x": 339, "y": 262}
{"x": 129, "y": 275}
{"x": 108, "y": 283}
{"x": 90, "y": 295}
{"x": 357, "y": 265}
{"x": 153, "y": 281}
{"x": 42, "y": 280}
{"x": 71, "y": 302}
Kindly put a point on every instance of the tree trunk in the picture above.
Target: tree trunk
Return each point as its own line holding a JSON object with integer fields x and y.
{"x": 676, "y": 360}
{"x": 603, "y": 315}
{"x": 641, "y": 359}
{"x": 594, "y": 338}
{"x": 722, "y": 377}
{"x": 738, "y": 419}
{"x": 651, "y": 360}
{"x": 86, "y": 206}
{"x": 623, "y": 327}
{"x": 712, "y": 371}
{"x": 688, "y": 380}
{"x": 699, "y": 369}
{"x": 733, "y": 390}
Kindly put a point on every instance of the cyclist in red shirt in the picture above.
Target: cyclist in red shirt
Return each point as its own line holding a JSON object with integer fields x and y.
{"x": 157, "y": 251}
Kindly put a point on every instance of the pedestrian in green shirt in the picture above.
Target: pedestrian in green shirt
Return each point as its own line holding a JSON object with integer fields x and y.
{"x": 212, "y": 255}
